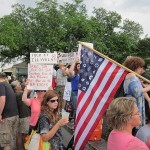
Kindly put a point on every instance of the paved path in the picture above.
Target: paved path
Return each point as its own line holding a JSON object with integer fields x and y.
{"x": 67, "y": 133}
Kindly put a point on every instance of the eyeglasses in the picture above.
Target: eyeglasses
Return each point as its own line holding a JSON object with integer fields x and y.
{"x": 40, "y": 91}
{"x": 53, "y": 100}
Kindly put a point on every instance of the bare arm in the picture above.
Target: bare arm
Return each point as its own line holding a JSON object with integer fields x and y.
{"x": 146, "y": 89}
{"x": 52, "y": 132}
{"x": 71, "y": 70}
{"x": 64, "y": 71}
{"x": 63, "y": 68}
{"x": 2, "y": 104}
{"x": 24, "y": 97}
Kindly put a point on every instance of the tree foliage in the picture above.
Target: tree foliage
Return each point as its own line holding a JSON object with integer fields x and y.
{"x": 52, "y": 27}
{"x": 143, "y": 49}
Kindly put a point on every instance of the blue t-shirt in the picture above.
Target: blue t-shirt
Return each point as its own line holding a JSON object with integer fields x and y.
{"x": 74, "y": 83}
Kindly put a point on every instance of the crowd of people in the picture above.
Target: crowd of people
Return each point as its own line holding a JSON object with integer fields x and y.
{"x": 22, "y": 109}
{"x": 126, "y": 115}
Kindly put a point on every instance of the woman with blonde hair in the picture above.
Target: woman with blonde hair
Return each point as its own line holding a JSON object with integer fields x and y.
{"x": 49, "y": 122}
{"x": 123, "y": 116}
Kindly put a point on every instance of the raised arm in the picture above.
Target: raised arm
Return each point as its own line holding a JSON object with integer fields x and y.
{"x": 146, "y": 88}
{"x": 71, "y": 69}
{"x": 25, "y": 98}
{"x": 63, "y": 68}
{"x": 2, "y": 104}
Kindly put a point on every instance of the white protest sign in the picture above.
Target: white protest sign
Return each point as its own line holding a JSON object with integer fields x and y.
{"x": 39, "y": 76}
{"x": 43, "y": 58}
{"x": 67, "y": 57}
{"x": 72, "y": 56}
{"x": 67, "y": 91}
{"x": 63, "y": 57}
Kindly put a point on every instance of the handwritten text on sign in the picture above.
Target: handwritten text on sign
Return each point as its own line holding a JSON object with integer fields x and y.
{"x": 43, "y": 58}
{"x": 67, "y": 57}
{"x": 39, "y": 76}
{"x": 67, "y": 91}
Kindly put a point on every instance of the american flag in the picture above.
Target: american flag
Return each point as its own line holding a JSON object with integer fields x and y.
{"x": 99, "y": 81}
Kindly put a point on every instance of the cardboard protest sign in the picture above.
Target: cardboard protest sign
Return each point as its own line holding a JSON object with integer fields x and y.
{"x": 63, "y": 57}
{"x": 43, "y": 58}
{"x": 72, "y": 56}
{"x": 39, "y": 76}
{"x": 67, "y": 91}
{"x": 67, "y": 57}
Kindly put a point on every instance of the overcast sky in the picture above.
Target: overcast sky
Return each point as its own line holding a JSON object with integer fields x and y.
{"x": 135, "y": 10}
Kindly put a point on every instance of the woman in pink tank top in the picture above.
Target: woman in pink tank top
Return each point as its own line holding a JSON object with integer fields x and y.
{"x": 35, "y": 105}
{"x": 123, "y": 115}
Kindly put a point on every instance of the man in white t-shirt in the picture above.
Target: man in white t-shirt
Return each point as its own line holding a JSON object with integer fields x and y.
{"x": 61, "y": 78}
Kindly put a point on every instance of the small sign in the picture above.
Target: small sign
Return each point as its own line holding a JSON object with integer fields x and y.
{"x": 43, "y": 58}
{"x": 67, "y": 91}
{"x": 39, "y": 76}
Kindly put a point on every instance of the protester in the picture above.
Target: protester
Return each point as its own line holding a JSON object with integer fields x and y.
{"x": 144, "y": 132}
{"x": 133, "y": 86}
{"x": 24, "y": 115}
{"x": 61, "y": 78}
{"x": 54, "y": 79}
{"x": 74, "y": 74}
{"x": 8, "y": 115}
{"x": 49, "y": 122}
{"x": 145, "y": 75}
{"x": 35, "y": 105}
{"x": 67, "y": 93}
{"x": 123, "y": 115}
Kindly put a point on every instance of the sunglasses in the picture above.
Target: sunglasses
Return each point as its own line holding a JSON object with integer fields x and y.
{"x": 40, "y": 91}
{"x": 53, "y": 100}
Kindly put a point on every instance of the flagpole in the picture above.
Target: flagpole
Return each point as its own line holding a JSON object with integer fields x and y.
{"x": 102, "y": 55}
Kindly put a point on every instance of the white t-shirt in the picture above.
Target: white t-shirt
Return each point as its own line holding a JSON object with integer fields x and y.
{"x": 54, "y": 73}
{"x": 60, "y": 79}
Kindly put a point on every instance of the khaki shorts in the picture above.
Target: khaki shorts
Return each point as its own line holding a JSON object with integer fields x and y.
{"x": 8, "y": 132}
{"x": 23, "y": 126}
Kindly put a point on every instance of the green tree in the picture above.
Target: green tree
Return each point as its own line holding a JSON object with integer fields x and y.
{"x": 143, "y": 49}
{"x": 134, "y": 30}
{"x": 51, "y": 27}
{"x": 118, "y": 41}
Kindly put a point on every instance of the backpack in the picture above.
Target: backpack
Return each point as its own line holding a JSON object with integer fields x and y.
{"x": 120, "y": 92}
